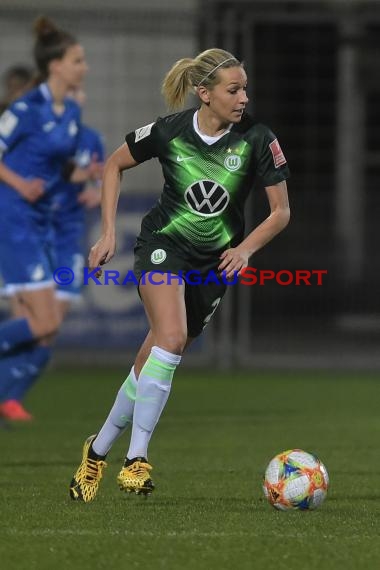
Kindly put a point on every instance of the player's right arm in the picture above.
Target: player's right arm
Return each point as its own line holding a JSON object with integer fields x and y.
{"x": 141, "y": 145}
{"x": 30, "y": 190}
{"x": 16, "y": 123}
{"x": 104, "y": 249}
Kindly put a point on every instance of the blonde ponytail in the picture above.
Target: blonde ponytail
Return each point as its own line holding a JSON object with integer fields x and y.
{"x": 187, "y": 74}
{"x": 178, "y": 82}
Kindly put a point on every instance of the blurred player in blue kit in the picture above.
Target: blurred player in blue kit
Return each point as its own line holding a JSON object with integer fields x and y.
{"x": 210, "y": 157}
{"x": 68, "y": 210}
{"x": 17, "y": 79}
{"x": 39, "y": 135}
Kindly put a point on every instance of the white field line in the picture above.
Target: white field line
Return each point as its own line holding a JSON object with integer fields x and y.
{"x": 174, "y": 534}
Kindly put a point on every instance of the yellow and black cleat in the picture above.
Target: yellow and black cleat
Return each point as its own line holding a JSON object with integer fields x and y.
{"x": 85, "y": 483}
{"x": 135, "y": 477}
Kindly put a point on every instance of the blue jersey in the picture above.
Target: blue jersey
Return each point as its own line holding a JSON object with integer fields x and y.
{"x": 68, "y": 216}
{"x": 37, "y": 142}
{"x": 65, "y": 200}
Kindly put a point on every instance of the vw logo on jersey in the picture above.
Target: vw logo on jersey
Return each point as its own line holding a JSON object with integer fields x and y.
{"x": 158, "y": 256}
{"x": 232, "y": 162}
{"x": 207, "y": 198}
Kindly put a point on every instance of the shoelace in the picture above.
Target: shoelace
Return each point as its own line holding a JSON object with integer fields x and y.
{"x": 139, "y": 468}
{"x": 94, "y": 471}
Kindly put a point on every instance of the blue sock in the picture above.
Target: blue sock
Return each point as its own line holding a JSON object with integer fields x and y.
{"x": 20, "y": 370}
{"x": 14, "y": 332}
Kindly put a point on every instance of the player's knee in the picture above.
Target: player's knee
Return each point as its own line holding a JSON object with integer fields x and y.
{"x": 45, "y": 327}
{"x": 173, "y": 341}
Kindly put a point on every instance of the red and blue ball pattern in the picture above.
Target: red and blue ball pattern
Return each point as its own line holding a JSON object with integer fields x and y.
{"x": 295, "y": 479}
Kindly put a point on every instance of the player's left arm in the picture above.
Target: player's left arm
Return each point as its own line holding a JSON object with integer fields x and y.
{"x": 236, "y": 258}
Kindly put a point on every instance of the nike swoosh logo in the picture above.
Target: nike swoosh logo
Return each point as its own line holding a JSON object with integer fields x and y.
{"x": 182, "y": 158}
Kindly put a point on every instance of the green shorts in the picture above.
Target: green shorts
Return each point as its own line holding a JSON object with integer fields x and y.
{"x": 201, "y": 299}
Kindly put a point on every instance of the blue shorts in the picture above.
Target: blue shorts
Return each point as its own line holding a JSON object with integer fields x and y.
{"x": 25, "y": 254}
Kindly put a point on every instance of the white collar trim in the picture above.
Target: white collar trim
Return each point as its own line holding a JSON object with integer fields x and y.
{"x": 45, "y": 91}
{"x": 207, "y": 138}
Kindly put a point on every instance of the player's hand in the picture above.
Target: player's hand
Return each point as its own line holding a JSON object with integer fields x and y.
{"x": 32, "y": 190}
{"x": 233, "y": 261}
{"x": 95, "y": 168}
{"x": 91, "y": 173}
{"x": 90, "y": 197}
{"x": 102, "y": 252}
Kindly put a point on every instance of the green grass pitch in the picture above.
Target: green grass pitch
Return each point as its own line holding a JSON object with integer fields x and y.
{"x": 209, "y": 452}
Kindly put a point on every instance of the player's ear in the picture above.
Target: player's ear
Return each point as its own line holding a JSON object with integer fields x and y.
{"x": 203, "y": 94}
{"x": 54, "y": 66}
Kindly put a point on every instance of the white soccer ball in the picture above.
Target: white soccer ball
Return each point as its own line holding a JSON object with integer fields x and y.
{"x": 295, "y": 479}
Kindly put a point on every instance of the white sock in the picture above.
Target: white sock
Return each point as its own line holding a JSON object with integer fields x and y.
{"x": 119, "y": 417}
{"x": 153, "y": 390}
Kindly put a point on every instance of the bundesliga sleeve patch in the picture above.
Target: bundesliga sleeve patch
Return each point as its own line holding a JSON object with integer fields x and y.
{"x": 8, "y": 122}
{"x": 143, "y": 132}
{"x": 278, "y": 156}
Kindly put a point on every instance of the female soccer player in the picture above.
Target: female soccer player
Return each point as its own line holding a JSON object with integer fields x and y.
{"x": 65, "y": 246}
{"x": 69, "y": 204}
{"x": 38, "y": 134}
{"x": 210, "y": 157}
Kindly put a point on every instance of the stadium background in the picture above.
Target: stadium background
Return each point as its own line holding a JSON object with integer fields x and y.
{"x": 313, "y": 77}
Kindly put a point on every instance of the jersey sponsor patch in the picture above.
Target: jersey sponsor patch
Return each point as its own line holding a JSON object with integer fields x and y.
{"x": 278, "y": 156}
{"x": 8, "y": 122}
{"x": 143, "y": 132}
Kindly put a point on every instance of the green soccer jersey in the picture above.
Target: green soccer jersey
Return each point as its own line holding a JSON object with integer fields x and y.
{"x": 201, "y": 210}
